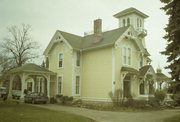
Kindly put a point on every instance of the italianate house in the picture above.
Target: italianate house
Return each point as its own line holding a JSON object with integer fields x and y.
{"x": 92, "y": 66}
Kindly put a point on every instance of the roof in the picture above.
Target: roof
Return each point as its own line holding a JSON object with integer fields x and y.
{"x": 86, "y": 42}
{"x": 33, "y": 68}
{"x": 161, "y": 76}
{"x": 130, "y": 11}
{"x": 108, "y": 38}
{"x": 143, "y": 70}
{"x": 74, "y": 40}
{"x": 130, "y": 70}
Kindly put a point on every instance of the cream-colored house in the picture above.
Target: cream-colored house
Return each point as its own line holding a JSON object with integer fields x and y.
{"x": 92, "y": 66}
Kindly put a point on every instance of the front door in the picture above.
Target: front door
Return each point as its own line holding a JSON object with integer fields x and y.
{"x": 127, "y": 86}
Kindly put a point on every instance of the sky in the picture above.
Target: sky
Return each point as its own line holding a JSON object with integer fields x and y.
{"x": 76, "y": 16}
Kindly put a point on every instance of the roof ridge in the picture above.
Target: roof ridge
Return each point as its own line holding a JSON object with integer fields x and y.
{"x": 69, "y": 33}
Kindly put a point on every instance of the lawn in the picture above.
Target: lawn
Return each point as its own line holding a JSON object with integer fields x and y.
{"x": 12, "y": 112}
{"x": 173, "y": 119}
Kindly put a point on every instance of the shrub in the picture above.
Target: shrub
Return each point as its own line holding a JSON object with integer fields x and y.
{"x": 59, "y": 96}
{"x": 153, "y": 102}
{"x": 53, "y": 100}
{"x": 117, "y": 97}
{"x": 70, "y": 99}
{"x": 140, "y": 104}
{"x": 159, "y": 95}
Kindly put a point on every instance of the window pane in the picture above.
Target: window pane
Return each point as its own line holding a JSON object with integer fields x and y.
{"x": 124, "y": 55}
{"x": 77, "y": 84}
{"x": 137, "y": 22}
{"x": 78, "y": 59}
{"x": 129, "y": 56}
{"x": 128, "y": 21}
{"x": 60, "y": 56}
{"x": 60, "y": 60}
{"x": 60, "y": 63}
{"x": 124, "y": 22}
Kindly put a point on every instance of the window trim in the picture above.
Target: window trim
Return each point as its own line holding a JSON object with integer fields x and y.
{"x": 61, "y": 84}
{"x": 62, "y": 60}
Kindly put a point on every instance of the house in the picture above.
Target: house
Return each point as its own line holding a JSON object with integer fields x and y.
{"x": 89, "y": 67}
{"x": 92, "y": 66}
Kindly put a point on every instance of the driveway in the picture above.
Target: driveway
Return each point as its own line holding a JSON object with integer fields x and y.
{"x": 108, "y": 116}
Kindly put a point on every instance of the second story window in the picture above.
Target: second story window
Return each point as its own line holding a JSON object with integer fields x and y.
{"x": 137, "y": 22}
{"x": 128, "y": 21}
{"x": 141, "y": 61}
{"x": 78, "y": 58}
{"x": 129, "y": 56}
{"x": 124, "y": 22}
{"x": 140, "y": 23}
{"x": 60, "y": 63}
{"x": 126, "y": 56}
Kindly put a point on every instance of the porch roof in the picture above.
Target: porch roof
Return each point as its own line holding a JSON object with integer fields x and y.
{"x": 31, "y": 68}
{"x": 161, "y": 76}
{"x": 143, "y": 70}
{"x": 130, "y": 70}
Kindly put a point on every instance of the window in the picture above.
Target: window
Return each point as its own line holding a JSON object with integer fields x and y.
{"x": 140, "y": 22}
{"x": 59, "y": 84}
{"x": 60, "y": 60}
{"x": 124, "y": 55}
{"x": 78, "y": 58}
{"x": 127, "y": 56}
{"x": 137, "y": 22}
{"x": 141, "y": 61}
{"x": 124, "y": 22}
{"x": 141, "y": 88}
{"x": 128, "y": 21}
{"x": 77, "y": 84}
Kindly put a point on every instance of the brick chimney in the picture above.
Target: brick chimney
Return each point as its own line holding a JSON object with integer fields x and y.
{"x": 97, "y": 31}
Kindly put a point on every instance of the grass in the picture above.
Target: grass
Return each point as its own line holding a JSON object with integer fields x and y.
{"x": 12, "y": 112}
{"x": 173, "y": 119}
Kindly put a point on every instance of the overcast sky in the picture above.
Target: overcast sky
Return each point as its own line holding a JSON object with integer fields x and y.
{"x": 76, "y": 16}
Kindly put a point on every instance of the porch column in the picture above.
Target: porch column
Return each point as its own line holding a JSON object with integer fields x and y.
{"x": 10, "y": 87}
{"x": 33, "y": 82}
{"x": 48, "y": 85}
{"x": 22, "y": 85}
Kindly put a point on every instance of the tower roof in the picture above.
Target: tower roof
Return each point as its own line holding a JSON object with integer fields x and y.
{"x": 130, "y": 11}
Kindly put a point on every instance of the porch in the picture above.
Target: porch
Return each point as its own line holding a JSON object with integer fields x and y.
{"x": 29, "y": 78}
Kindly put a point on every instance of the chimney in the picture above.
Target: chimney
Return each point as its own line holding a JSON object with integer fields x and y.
{"x": 97, "y": 31}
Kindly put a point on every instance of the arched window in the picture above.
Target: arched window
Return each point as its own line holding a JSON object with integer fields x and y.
{"x": 128, "y": 21}
{"x": 141, "y": 88}
{"x": 124, "y": 22}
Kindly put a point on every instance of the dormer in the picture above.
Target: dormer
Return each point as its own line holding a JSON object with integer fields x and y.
{"x": 133, "y": 17}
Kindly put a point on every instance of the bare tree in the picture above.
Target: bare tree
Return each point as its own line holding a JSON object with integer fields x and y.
{"x": 18, "y": 46}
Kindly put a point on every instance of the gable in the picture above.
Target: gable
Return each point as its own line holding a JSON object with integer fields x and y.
{"x": 147, "y": 69}
{"x": 57, "y": 38}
